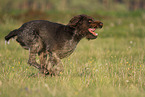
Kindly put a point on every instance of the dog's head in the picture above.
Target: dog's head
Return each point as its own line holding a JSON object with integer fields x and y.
{"x": 85, "y": 26}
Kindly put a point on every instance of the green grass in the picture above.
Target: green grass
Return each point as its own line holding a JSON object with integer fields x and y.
{"x": 111, "y": 66}
{"x": 104, "y": 67}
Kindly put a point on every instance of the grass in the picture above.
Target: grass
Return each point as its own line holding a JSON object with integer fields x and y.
{"x": 110, "y": 66}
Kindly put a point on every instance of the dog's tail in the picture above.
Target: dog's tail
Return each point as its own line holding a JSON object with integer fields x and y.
{"x": 11, "y": 34}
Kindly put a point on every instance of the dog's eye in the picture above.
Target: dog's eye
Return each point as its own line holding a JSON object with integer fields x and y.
{"x": 90, "y": 21}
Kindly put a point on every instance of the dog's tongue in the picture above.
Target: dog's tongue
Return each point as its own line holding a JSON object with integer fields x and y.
{"x": 91, "y": 30}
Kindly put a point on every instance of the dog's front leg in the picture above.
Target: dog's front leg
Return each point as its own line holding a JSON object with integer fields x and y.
{"x": 54, "y": 65}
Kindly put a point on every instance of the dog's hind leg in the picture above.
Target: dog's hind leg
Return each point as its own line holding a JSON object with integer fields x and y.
{"x": 43, "y": 57}
{"x": 32, "y": 59}
{"x": 33, "y": 50}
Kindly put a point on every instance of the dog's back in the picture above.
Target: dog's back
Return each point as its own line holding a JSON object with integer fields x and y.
{"x": 29, "y": 33}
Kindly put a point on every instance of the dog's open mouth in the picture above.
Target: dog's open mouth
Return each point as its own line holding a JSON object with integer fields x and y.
{"x": 93, "y": 26}
{"x": 92, "y": 30}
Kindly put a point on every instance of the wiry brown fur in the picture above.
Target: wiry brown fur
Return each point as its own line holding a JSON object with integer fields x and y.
{"x": 53, "y": 41}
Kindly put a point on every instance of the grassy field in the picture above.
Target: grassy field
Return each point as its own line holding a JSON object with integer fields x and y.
{"x": 111, "y": 66}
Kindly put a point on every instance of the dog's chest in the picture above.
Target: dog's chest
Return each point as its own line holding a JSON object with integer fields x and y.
{"x": 67, "y": 49}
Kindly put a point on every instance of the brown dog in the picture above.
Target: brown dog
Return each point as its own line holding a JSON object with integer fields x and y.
{"x": 53, "y": 41}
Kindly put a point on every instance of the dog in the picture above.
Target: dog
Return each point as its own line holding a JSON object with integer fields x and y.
{"x": 53, "y": 41}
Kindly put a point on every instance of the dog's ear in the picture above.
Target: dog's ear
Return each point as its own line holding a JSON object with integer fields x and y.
{"x": 74, "y": 21}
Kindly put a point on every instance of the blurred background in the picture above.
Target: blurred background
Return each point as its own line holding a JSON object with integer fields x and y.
{"x": 121, "y": 18}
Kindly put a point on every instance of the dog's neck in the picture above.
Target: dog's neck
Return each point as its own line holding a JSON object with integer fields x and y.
{"x": 74, "y": 33}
